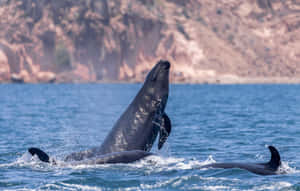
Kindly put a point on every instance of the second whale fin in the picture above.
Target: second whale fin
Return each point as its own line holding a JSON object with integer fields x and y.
{"x": 41, "y": 154}
{"x": 275, "y": 160}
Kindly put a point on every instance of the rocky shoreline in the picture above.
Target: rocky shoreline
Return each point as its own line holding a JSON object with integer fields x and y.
{"x": 224, "y": 81}
{"x": 219, "y": 41}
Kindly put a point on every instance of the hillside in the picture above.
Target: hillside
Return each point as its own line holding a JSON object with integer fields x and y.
{"x": 207, "y": 41}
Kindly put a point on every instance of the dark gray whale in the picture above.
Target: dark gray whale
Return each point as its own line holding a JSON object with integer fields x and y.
{"x": 269, "y": 168}
{"x": 134, "y": 133}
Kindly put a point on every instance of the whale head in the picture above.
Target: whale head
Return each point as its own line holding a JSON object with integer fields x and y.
{"x": 156, "y": 86}
{"x": 140, "y": 123}
{"x": 153, "y": 98}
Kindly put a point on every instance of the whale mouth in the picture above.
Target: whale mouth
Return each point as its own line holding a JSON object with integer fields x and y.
{"x": 165, "y": 64}
{"x": 161, "y": 67}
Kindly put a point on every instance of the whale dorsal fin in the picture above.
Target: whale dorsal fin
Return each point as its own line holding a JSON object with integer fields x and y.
{"x": 275, "y": 161}
{"x": 165, "y": 130}
{"x": 41, "y": 154}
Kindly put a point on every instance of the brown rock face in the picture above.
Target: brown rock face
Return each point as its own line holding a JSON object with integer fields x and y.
{"x": 207, "y": 41}
{"x": 4, "y": 68}
{"x": 46, "y": 77}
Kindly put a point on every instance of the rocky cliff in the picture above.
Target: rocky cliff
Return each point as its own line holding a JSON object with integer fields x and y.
{"x": 207, "y": 41}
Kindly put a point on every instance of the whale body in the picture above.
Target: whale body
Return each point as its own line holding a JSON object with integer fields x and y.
{"x": 268, "y": 168}
{"x": 134, "y": 133}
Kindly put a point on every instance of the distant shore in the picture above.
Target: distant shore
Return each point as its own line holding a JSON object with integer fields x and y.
{"x": 256, "y": 80}
{"x": 239, "y": 80}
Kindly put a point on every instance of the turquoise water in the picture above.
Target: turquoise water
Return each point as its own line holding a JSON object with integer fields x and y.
{"x": 210, "y": 123}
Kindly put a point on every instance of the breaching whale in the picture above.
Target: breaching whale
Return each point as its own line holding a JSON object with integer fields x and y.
{"x": 135, "y": 131}
{"x": 268, "y": 168}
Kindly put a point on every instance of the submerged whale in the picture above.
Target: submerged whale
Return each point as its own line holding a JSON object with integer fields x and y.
{"x": 134, "y": 133}
{"x": 268, "y": 168}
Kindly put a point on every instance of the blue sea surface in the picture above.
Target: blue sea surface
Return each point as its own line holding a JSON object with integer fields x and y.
{"x": 211, "y": 123}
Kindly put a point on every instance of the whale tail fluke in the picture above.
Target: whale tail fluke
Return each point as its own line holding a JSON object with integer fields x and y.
{"x": 275, "y": 161}
{"x": 41, "y": 154}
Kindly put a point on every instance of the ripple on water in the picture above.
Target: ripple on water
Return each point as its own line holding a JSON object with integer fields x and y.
{"x": 210, "y": 123}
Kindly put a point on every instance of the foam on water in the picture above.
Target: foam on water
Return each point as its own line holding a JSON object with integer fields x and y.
{"x": 149, "y": 165}
{"x": 286, "y": 169}
{"x": 273, "y": 186}
{"x": 25, "y": 159}
{"x": 153, "y": 163}
{"x": 173, "y": 183}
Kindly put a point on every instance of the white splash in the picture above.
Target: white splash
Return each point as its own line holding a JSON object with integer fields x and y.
{"x": 150, "y": 164}
{"x": 273, "y": 186}
{"x": 286, "y": 169}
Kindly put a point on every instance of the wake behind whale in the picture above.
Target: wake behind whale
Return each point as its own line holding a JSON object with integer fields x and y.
{"x": 135, "y": 131}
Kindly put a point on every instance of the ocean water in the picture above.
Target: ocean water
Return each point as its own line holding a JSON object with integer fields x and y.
{"x": 211, "y": 123}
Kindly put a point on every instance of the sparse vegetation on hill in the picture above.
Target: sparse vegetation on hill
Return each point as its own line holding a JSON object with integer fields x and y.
{"x": 206, "y": 41}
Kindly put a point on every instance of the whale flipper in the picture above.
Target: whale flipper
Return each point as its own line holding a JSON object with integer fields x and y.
{"x": 165, "y": 130}
{"x": 275, "y": 161}
{"x": 117, "y": 157}
{"x": 41, "y": 154}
